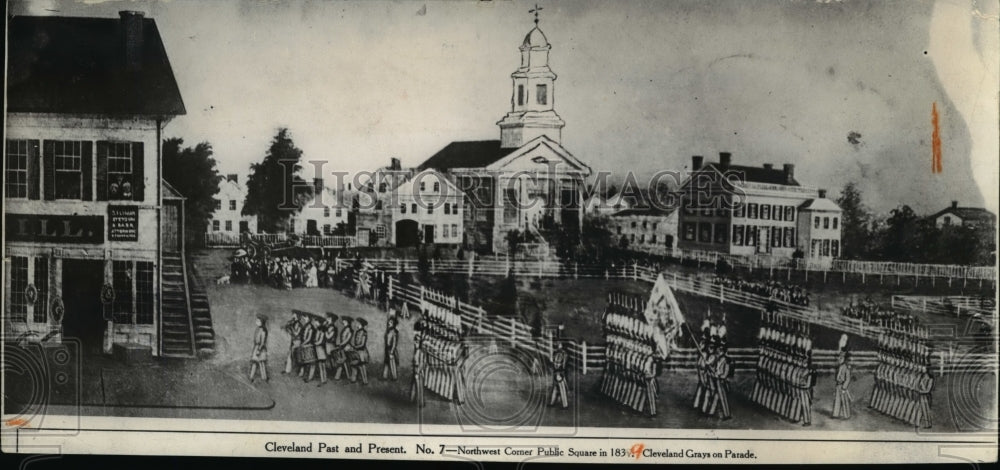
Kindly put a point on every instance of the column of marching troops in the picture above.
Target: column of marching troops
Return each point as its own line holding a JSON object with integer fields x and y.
{"x": 785, "y": 373}
{"x": 631, "y": 369}
{"x": 903, "y": 382}
{"x": 714, "y": 371}
{"x": 438, "y": 355}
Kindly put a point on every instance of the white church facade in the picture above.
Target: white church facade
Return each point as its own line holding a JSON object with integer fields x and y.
{"x": 526, "y": 181}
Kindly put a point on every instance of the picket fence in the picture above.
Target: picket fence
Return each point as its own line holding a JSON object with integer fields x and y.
{"x": 842, "y": 266}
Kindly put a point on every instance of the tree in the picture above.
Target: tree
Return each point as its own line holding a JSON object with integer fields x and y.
{"x": 193, "y": 173}
{"x": 274, "y": 190}
{"x": 902, "y": 237}
{"x": 856, "y": 222}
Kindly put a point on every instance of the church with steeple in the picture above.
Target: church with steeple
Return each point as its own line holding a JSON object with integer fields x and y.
{"x": 526, "y": 181}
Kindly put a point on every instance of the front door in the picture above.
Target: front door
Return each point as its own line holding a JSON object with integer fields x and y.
{"x": 81, "y": 293}
{"x": 311, "y": 227}
{"x": 428, "y": 234}
{"x": 244, "y": 226}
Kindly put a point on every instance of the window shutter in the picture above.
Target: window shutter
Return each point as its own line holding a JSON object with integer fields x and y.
{"x": 49, "y": 169}
{"x": 102, "y": 171}
{"x": 34, "y": 181}
{"x": 138, "y": 173}
{"x": 87, "y": 171}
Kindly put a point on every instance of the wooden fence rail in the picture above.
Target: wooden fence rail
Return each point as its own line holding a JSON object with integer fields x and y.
{"x": 584, "y": 357}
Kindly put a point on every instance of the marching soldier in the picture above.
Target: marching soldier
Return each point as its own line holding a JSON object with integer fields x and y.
{"x": 417, "y": 386}
{"x": 559, "y": 391}
{"x": 330, "y": 340}
{"x": 343, "y": 348}
{"x": 701, "y": 393}
{"x": 925, "y": 383}
{"x": 258, "y": 358}
{"x": 804, "y": 384}
{"x": 294, "y": 329}
{"x": 710, "y": 361}
{"x": 720, "y": 377}
{"x": 319, "y": 343}
{"x": 390, "y": 359}
{"x": 842, "y": 393}
{"x": 359, "y": 345}
{"x": 308, "y": 358}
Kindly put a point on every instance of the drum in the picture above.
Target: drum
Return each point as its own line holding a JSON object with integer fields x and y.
{"x": 305, "y": 355}
{"x": 320, "y": 352}
{"x": 338, "y": 356}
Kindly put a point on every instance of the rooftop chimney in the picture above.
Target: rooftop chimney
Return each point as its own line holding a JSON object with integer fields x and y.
{"x": 395, "y": 164}
{"x": 789, "y": 172}
{"x": 132, "y": 38}
{"x": 954, "y": 204}
{"x": 696, "y": 162}
{"x": 768, "y": 166}
{"x": 822, "y": 194}
{"x": 725, "y": 159}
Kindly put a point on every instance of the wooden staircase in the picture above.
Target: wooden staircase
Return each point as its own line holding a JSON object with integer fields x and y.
{"x": 186, "y": 316}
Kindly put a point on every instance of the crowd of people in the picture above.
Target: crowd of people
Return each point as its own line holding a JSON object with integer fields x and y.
{"x": 876, "y": 314}
{"x": 770, "y": 289}
{"x": 785, "y": 373}
{"x": 281, "y": 272}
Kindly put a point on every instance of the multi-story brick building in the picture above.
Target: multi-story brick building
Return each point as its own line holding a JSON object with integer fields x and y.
{"x": 744, "y": 210}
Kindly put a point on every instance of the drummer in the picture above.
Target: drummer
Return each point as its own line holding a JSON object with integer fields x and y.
{"x": 330, "y": 340}
{"x": 319, "y": 345}
{"x": 307, "y": 352}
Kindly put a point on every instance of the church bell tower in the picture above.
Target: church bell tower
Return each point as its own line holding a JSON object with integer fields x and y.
{"x": 533, "y": 97}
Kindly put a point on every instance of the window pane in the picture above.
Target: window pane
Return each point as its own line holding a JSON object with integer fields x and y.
{"x": 16, "y": 182}
{"x": 42, "y": 284}
{"x": 18, "y": 284}
{"x": 541, "y": 94}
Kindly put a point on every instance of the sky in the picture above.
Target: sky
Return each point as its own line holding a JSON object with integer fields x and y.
{"x": 642, "y": 85}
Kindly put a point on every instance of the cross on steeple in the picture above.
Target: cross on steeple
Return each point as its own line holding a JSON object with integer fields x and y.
{"x": 535, "y": 11}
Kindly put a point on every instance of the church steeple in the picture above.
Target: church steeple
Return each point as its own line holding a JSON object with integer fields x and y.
{"x": 533, "y": 96}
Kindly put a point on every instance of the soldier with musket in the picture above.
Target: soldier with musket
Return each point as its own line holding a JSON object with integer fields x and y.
{"x": 417, "y": 385}
{"x": 720, "y": 374}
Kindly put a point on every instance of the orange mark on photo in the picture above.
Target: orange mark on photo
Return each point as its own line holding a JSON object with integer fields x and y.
{"x": 17, "y": 422}
{"x": 935, "y": 141}
{"x": 636, "y": 450}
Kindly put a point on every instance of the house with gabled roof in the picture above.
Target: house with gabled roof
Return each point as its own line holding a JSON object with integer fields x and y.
{"x": 94, "y": 237}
